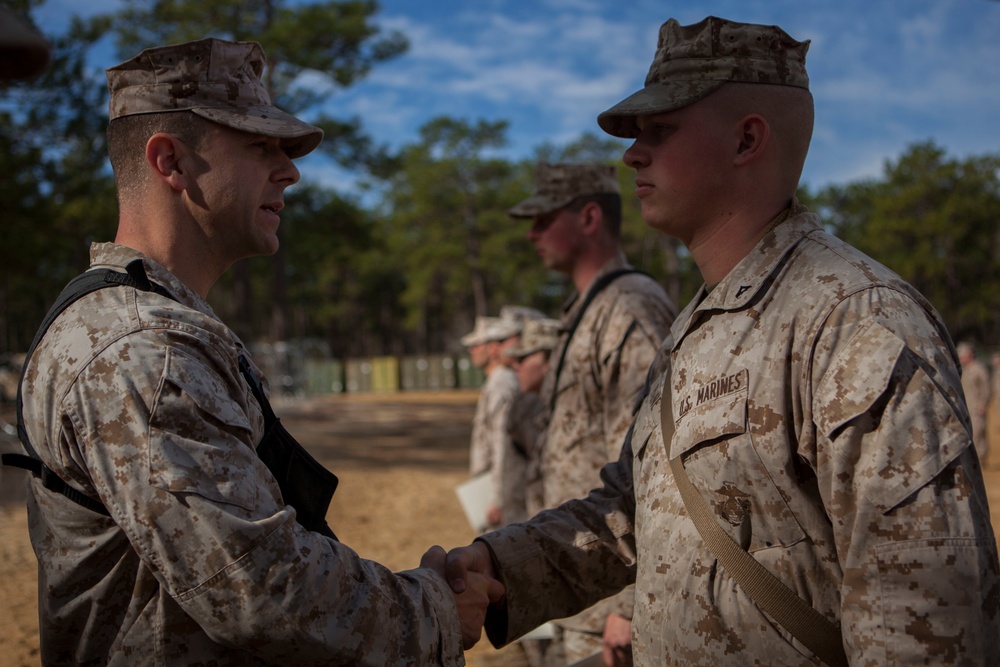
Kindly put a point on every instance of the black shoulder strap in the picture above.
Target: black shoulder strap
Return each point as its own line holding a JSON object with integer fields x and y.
{"x": 595, "y": 288}
{"x": 91, "y": 281}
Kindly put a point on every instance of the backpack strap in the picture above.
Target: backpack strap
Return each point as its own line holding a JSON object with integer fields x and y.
{"x": 82, "y": 285}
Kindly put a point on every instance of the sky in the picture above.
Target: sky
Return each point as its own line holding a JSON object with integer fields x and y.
{"x": 885, "y": 74}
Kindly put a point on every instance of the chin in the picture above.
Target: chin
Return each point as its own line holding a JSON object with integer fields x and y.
{"x": 268, "y": 246}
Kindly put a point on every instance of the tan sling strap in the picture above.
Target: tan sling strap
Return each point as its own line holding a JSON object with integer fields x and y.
{"x": 810, "y": 627}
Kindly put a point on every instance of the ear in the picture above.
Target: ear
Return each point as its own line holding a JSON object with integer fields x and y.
{"x": 591, "y": 218}
{"x": 754, "y": 134}
{"x": 163, "y": 155}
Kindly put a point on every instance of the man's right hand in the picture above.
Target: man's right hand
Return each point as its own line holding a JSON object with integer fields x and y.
{"x": 479, "y": 590}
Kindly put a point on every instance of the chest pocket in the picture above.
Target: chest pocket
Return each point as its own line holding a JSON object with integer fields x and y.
{"x": 740, "y": 483}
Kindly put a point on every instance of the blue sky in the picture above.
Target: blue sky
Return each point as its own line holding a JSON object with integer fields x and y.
{"x": 885, "y": 73}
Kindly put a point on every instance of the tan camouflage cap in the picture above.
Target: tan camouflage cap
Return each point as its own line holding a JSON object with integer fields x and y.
{"x": 213, "y": 78}
{"x": 556, "y": 185}
{"x": 488, "y": 329}
{"x": 520, "y": 314}
{"x": 695, "y": 60}
{"x": 538, "y": 335}
{"x": 23, "y": 52}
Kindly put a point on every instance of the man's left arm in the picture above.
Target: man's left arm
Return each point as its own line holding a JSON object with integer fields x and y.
{"x": 905, "y": 495}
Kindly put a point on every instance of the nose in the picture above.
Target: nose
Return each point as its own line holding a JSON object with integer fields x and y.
{"x": 286, "y": 173}
{"x": 635, "y": 156}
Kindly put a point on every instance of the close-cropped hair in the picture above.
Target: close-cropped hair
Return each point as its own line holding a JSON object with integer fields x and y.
{"x": 611, "y": 209}
{"x": 127, "y": 137}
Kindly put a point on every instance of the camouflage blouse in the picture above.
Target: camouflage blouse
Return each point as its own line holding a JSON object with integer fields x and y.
{"x": 138, "y": 401}
{"x": 818, "y": 410}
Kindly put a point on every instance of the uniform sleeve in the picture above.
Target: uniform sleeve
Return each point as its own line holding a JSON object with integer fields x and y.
{"x": 566, "y": 559}
{"x": 180, "y": 476}
{"x": 905, "y": 494}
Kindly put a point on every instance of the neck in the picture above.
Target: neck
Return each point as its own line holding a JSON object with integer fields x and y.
{"x": 589, "y": 265}
{"x": 731, "y": 239}
{"x": 181, "y": 251}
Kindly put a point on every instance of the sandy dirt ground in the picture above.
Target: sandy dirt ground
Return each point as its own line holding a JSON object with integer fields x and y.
{"x": 399, "y": 459}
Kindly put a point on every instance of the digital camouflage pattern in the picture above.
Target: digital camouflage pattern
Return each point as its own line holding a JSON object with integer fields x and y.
{"x": 818, "y": 409}
{"x": 695, "y": 60}
{"x": 602, "y": 376}
{"x": 492, "y": 450}
{"x": 138, "y": 401}
{"x": 212, "y": 78}
{"x": 556, "y": 185}
{"x": 538, "y": 335}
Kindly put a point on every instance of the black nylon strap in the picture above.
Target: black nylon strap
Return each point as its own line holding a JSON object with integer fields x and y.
{"x": 82, "y": 285}
{"x": 595, "y": 289}
{"x": 52, "y": 481}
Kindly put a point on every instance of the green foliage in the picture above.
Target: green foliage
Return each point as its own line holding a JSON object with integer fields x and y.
{"x": 445, "y": 227}
{"x": 933, "y": 220}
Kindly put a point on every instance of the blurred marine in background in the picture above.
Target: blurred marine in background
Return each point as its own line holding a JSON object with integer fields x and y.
{"x": 612, "y": 325}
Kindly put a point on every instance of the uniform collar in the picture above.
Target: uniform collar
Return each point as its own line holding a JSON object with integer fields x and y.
{"x": 114, "y": 256}
{"x": 752, "y": 275}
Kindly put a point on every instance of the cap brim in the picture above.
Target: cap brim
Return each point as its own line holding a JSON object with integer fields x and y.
{"x": 620, "y": 120}
{"x": 471, "y": 340}
{"x": 536, "y": 205}
{"x": 300, "y": 137}
{"x": 520, "y": 352}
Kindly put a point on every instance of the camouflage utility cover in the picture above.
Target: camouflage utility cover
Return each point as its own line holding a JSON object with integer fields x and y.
{"x": 137, "y": 400}
{"x": 489, "y": 329}
{"x": 695, "y": 60}
{"x": 214, "y": 79}
{"x": 556, "y": 185}
{"x": 817, "y": 407}
{"x": 538, "y": 335}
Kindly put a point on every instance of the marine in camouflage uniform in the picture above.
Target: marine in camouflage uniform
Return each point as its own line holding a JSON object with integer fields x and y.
{"x": 492, "y": 451}
{"x": 591, "y": 394}
{"x": 816, "y": 406}
{"x": 136, "y": 399}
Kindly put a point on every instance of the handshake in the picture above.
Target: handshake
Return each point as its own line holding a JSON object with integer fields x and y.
{"x": 469, "y": 571}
